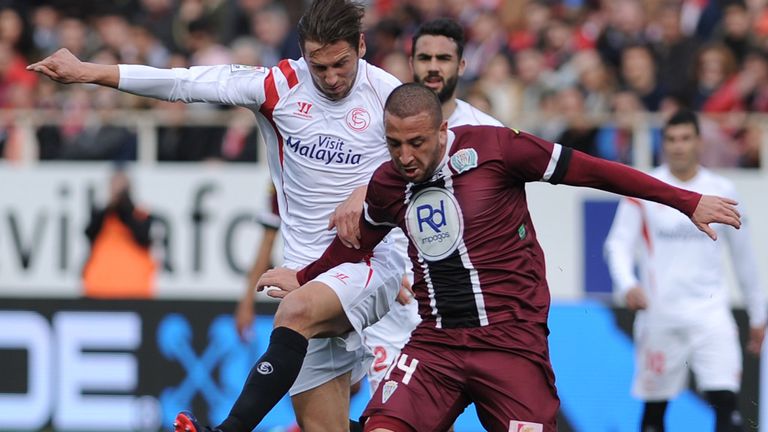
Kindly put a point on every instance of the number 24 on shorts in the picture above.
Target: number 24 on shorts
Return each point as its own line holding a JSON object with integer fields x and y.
{"x": 403, "y": 364}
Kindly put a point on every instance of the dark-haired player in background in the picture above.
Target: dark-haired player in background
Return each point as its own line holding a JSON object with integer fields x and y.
{"x": 684, "y": 319}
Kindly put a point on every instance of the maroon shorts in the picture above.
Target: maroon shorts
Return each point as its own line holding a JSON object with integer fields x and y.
{"x": 430, "y": 384}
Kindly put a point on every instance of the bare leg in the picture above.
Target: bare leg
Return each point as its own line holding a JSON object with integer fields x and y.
{"x": 313, "y": 310}
{"x": 324, "y": 408}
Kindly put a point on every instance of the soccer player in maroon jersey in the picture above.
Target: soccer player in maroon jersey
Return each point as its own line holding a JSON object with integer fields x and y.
{"x": 459, "y": 195}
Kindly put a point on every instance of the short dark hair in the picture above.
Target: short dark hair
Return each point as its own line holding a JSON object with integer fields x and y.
{"x": 330, "y": 21}
{"x": 681, "y": 117}
{"x": 441, "y": 27}
{"x": 412, "y": 99}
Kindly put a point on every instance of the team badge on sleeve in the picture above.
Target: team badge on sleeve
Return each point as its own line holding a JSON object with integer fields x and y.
{"x": 464, "y": 160}
{"x": 387, "y": 390}
{"x": 239, "y": 68}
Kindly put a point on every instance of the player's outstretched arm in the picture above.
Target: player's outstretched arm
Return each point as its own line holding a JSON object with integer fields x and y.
{"x": 62, "y": 66}
{"x": 714, "y": 209}
{"x": 585, "y": 170}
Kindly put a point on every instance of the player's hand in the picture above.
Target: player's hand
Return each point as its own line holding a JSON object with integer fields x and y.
{"x": 346, "y": 218}
{"x": 61, "y": 66}
{"x": 283, "y": 281}
{"x": 756, "y": 336}
{"x": 406, "y": 293}
{"x": 714, "y": 209}
{"x": 636, "y": 299}
{"x": 244, "y": 317}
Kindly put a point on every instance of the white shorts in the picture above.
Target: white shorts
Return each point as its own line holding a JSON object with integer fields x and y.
{"x": 664, "y": 352}
{"x": 387, "y": 337}
{"x": 366, "y": 292}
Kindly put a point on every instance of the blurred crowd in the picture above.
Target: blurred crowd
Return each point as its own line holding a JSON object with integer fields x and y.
{"x": 579, "y": 72}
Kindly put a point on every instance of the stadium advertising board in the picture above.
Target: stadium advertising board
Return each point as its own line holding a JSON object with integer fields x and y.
{"x": 87, "y": 365}
{"x": 205, "y": 234}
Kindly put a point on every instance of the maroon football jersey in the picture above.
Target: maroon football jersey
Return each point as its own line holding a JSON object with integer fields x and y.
{"x": 473, "y": 245}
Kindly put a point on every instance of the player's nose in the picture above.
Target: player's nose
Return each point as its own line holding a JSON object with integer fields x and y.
{"x": 405, "y": 156}
{"x": 331, "y": 79}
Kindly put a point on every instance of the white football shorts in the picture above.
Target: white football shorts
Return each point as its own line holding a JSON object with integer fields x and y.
{"x": 387, "y": 337}
{"x": 367, "y": 292}
{"x": 665, "y": 351}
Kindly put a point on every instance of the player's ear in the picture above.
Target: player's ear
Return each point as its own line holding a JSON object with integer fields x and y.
{"x": 462, "y": 66}
{"x": 443, "y": 133}
{"x": 361, "y": 46}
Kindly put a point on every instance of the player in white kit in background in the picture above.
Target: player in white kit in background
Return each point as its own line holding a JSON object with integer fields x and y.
{"x": 437, "y": 62}
{"x": 684, "y": 316}
{"x": 321, "y": 118}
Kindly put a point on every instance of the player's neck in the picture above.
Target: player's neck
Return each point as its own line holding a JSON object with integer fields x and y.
{"x": 449, "y": 107}
{"x": 686, "y": 174}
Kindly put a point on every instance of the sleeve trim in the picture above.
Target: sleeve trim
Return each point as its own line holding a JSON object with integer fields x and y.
{"x": 561, "y": 164}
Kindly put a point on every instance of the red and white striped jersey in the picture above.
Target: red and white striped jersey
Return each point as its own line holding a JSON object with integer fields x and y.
{"x": 318, "y": 150}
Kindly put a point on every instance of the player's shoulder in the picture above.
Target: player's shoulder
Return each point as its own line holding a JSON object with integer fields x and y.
{"x": 381, "y": 81}
{"x": 386, "y": 175}
{"x": 386, "y": 186}
{"x": 467, "y": 131}
{"x": 468, "y": 114}
{"x": 487, "y": 136}
{"x": 660, "y": 172}
{"x": 284, "y": 78}
{"x": 295, "y": 72}
{"x": 718, "y": 183}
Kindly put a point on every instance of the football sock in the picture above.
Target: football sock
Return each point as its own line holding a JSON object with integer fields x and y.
{"x": 653, "y": 416}
{"x": 727, "y": 416}
{"x": 270, "y": 378}
{"x": 355, "y": 426}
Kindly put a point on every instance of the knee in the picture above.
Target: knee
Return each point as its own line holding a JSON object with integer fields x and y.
{"x": 313, "y": 311}
{"x": 295, "y": 312}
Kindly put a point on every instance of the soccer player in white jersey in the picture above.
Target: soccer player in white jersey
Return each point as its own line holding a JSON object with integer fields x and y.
{"x": 684, "y": 313}
{"x": 437, "y": 62}
{"x": 321, "y": 117}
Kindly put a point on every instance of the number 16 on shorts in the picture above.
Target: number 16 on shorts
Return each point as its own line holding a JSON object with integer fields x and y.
{"x": 404, "y": 365}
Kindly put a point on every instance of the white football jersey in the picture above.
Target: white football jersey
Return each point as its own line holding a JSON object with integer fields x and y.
{"x": 680, "y": 268}
{"x": 466, "y": 114}
{"x": 318, "y": 150}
